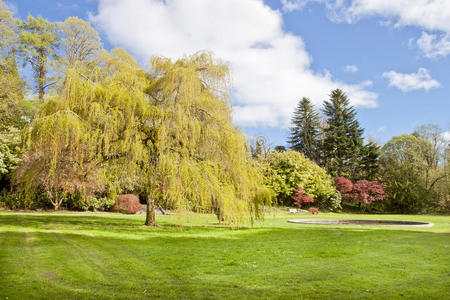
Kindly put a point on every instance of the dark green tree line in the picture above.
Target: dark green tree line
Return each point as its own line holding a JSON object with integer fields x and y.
{"x": 336, "y": 143}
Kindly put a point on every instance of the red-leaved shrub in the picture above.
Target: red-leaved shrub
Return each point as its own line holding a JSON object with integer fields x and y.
{"x": 299, "y": 197}
{"x": 344, "y": 186}
{"x": 363, "y": 191}
{"x": 127, "y": 204}
{"x": 313, "y": 210}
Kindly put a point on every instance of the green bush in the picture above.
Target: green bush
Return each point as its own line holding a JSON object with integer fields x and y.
{"x": 103, "y": 203}
{"x": 334, "y": 202}
{"x": 286, "y": 171}
{"x": 92, "y": 203}
{"x": 15, "y": 200}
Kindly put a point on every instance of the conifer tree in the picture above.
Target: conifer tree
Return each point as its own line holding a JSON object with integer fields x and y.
{"x": 305, "y": 130}
{"x": 38, "y": 42}
{"x": 342, "y": 145}
{"x": 369, "y": 162}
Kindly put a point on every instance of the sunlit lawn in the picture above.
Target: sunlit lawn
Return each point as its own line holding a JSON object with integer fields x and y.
{"x": 102, "y": 256}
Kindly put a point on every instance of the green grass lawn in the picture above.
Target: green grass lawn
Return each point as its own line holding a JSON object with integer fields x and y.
{"x": 105, "y": 256}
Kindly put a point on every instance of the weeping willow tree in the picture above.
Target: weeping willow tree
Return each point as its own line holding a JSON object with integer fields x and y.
{"x": 165, "y": 135}
{"x": 90, "y": 138}
{"x": 199, "y": 161}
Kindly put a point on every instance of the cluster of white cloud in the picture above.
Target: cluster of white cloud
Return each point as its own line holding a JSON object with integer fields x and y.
{"x": 432, "y": 15}
{"x": 413, "y": 81}
{"x": 270, "y": 67}
{"x": 433, "y": 45}
{"x": 351, "y": 68}
{"x": 292, "y": 5}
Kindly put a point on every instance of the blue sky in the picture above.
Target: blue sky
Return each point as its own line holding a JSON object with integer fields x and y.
{"x": 391, "y": 57}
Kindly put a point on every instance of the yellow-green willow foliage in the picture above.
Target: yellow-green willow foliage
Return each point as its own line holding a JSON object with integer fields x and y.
{"x": 91, "y": 137}
{"x": 200, "y": 162}
{"x": 166, "y": 135}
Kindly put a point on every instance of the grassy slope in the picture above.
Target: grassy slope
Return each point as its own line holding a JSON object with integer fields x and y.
{"x": 87, "y": 255}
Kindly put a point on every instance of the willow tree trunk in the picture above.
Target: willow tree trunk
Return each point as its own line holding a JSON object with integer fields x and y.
{"x": 150, "y": 219}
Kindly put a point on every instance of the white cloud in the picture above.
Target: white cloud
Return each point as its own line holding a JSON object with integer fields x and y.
{"x": 414, "y": 81}
{"x": 293, "y": 5}
{"x": 434, "y": 46}
{"x": 429, "y": 14}
{"x": 270, "y": 67}
{"x": 432, "y": 15}
{"x": 351, "y": 68}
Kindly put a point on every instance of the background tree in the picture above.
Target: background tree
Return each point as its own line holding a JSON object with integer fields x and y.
{"x": 14, "y": 111}
{"x": 80, "y": 43}
{"x": 409, "y": 170}
{"x": 8, "y": 31}
{"x": 431, "y": 152}
{"x": 369, "y": 165}
{"x": 343, "y": 151}
{"x": 304, "y": 135}
{"x": 261, "y": 146}
{"x": 38, "y": 42}
{"x": 11, "y": 85}
{"x": 280, "y": 148}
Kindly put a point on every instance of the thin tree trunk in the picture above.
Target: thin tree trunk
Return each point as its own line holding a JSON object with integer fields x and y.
{"x": 150, "y": 219}
{"x": 42, "y": 73}
{"x": 53, "y": 200}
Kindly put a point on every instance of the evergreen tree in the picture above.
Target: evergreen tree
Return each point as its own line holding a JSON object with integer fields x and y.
{"x": 305, "y": 130}
{"x": 342, "y": 146}
{"x": 38, "y": 42}
{"x": 369, "y": 162}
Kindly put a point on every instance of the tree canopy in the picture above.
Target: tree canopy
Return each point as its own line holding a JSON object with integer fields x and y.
{"x": 410, "y": 168}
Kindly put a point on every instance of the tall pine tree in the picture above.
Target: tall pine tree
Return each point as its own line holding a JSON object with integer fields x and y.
{"x": 38, "y": 43}
{"x": 305, "y": 130}
{"x": 342, "y": 146}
